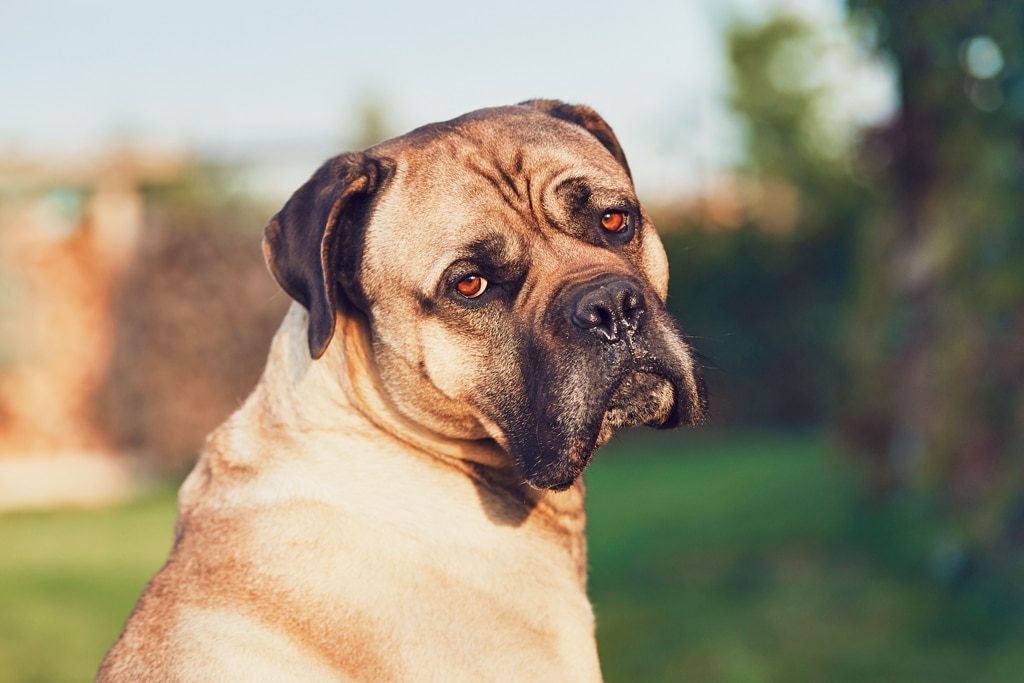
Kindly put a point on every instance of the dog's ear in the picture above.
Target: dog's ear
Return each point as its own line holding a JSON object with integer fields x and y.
{"x": 588, "y": 119}
{"x": 313, "y": 246}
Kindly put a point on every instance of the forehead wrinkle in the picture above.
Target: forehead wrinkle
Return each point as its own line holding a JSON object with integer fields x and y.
{"x": 504, "y": 167}
{"x": 537, "y": 193}
{"x": 437, "y": 184}
{"x": 521, "y": 162}
{"x": 504, "y": 185}
{"x": 597, "y": 191}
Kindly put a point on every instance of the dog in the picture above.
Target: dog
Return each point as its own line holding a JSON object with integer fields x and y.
{"x": 478, "y": 305}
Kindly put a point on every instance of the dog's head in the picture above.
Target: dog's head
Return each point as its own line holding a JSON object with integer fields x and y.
{"x": 511, "y": 282}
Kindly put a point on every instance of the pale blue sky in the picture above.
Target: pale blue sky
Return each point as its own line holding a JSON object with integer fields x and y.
{"x": 256, "y": 76}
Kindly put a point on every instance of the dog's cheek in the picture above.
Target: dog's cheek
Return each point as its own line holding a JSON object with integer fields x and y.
{"x": 654, "y": 261}
{"x": 463, "y": 364}
{"x": 450, "y": 360}
{"x": 428, "y": 376}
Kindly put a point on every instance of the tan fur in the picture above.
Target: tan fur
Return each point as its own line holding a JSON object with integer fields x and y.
{"x": 297, "y": 563}
{"x": 359, "y": 517}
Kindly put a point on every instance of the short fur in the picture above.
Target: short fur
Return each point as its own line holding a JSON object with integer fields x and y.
{"x": 400, "y": 496}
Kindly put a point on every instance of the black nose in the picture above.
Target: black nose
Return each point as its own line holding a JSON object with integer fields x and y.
{"x": 608, "y": 309}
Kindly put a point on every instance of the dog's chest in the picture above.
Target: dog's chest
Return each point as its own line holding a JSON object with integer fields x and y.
{"x": 347, "y": 586}
{"x": 424, "y": 578}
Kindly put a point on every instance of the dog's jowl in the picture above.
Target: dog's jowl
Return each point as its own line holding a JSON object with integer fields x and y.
{"x": 479, "y": 305}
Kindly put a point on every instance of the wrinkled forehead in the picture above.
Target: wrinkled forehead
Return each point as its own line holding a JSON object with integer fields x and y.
{"x": 469, "y": 181}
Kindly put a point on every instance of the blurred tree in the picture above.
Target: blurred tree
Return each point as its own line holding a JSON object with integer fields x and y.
{"x": 781, "y": 96}
{"x": 937, "y": 341}
{"x": 767, "y": 295}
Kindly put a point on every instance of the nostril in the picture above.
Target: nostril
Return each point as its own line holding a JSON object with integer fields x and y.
{"x": 586, "y": 318}
{"x": 593, "y": 315}
{"x": 631, "y": 304}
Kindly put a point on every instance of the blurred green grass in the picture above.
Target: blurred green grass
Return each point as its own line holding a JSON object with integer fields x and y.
{"x": 69, "y": 579}
{"x": 713, "y": 558}
{"x": 754, "y": 558}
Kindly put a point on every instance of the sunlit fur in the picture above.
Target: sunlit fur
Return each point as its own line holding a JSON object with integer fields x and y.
{"x": 363, "y": 516}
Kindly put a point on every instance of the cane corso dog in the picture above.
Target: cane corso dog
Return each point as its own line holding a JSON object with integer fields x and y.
{"x": 478, "y": 306}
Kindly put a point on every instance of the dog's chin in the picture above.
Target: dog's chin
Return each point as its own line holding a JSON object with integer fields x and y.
{"x": 640, "y": 399}
{"x": 563, "y": 473}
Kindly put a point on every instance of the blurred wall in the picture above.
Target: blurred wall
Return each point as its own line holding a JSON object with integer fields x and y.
{"x": 193, "y": 321}
{"x": 137, "y": 309}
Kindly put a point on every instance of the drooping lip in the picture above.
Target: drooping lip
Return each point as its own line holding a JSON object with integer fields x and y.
{"x": 561, "y": 486}
{"x": 689, "y": 401}
{"x": 655, "y": 400}
{"x": 662, "y": 409}
{"x": 655, "y": 384}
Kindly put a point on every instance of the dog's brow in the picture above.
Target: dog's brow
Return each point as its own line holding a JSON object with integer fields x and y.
{"x": 489, "y": 245}
{"x": 492, "y": 249}
{"x": 575, "y": 191}
{"x": 578, "y": 193}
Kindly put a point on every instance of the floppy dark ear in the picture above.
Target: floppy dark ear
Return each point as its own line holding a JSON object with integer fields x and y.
{"x": 313, "y": 246}
{"x": 587, "y": 118}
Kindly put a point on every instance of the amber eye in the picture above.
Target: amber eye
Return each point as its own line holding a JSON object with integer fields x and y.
{"x": 613, "y": 221}
{"x": 471, "y": 286}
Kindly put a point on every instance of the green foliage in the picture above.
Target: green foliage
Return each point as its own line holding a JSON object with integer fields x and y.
{"x": 766, "y": 301}
{"x": 891, "y": 295}
{"x": 779, "y": 107}
{"x": 755, "y": 558}
{"x": 766, "y": 311}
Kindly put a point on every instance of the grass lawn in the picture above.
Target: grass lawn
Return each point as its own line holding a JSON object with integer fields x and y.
{"x": 69, "y": 579}
{"x": 735, "y": 559}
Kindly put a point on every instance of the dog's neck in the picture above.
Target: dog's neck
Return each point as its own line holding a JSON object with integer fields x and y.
{"x": 338, "y": 398}
{"x": 329, "y": 394}
{"x": 324, "y": 394}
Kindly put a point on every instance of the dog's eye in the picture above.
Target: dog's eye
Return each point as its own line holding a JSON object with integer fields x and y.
{"x": 614, "y": 221}
{"x": 471, "y": 286}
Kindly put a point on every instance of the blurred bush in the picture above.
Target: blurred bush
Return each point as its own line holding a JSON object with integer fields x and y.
{"x": 874, "y": 278}
{"x": 761, "y": 268}
{"x": 194, "y": 317}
